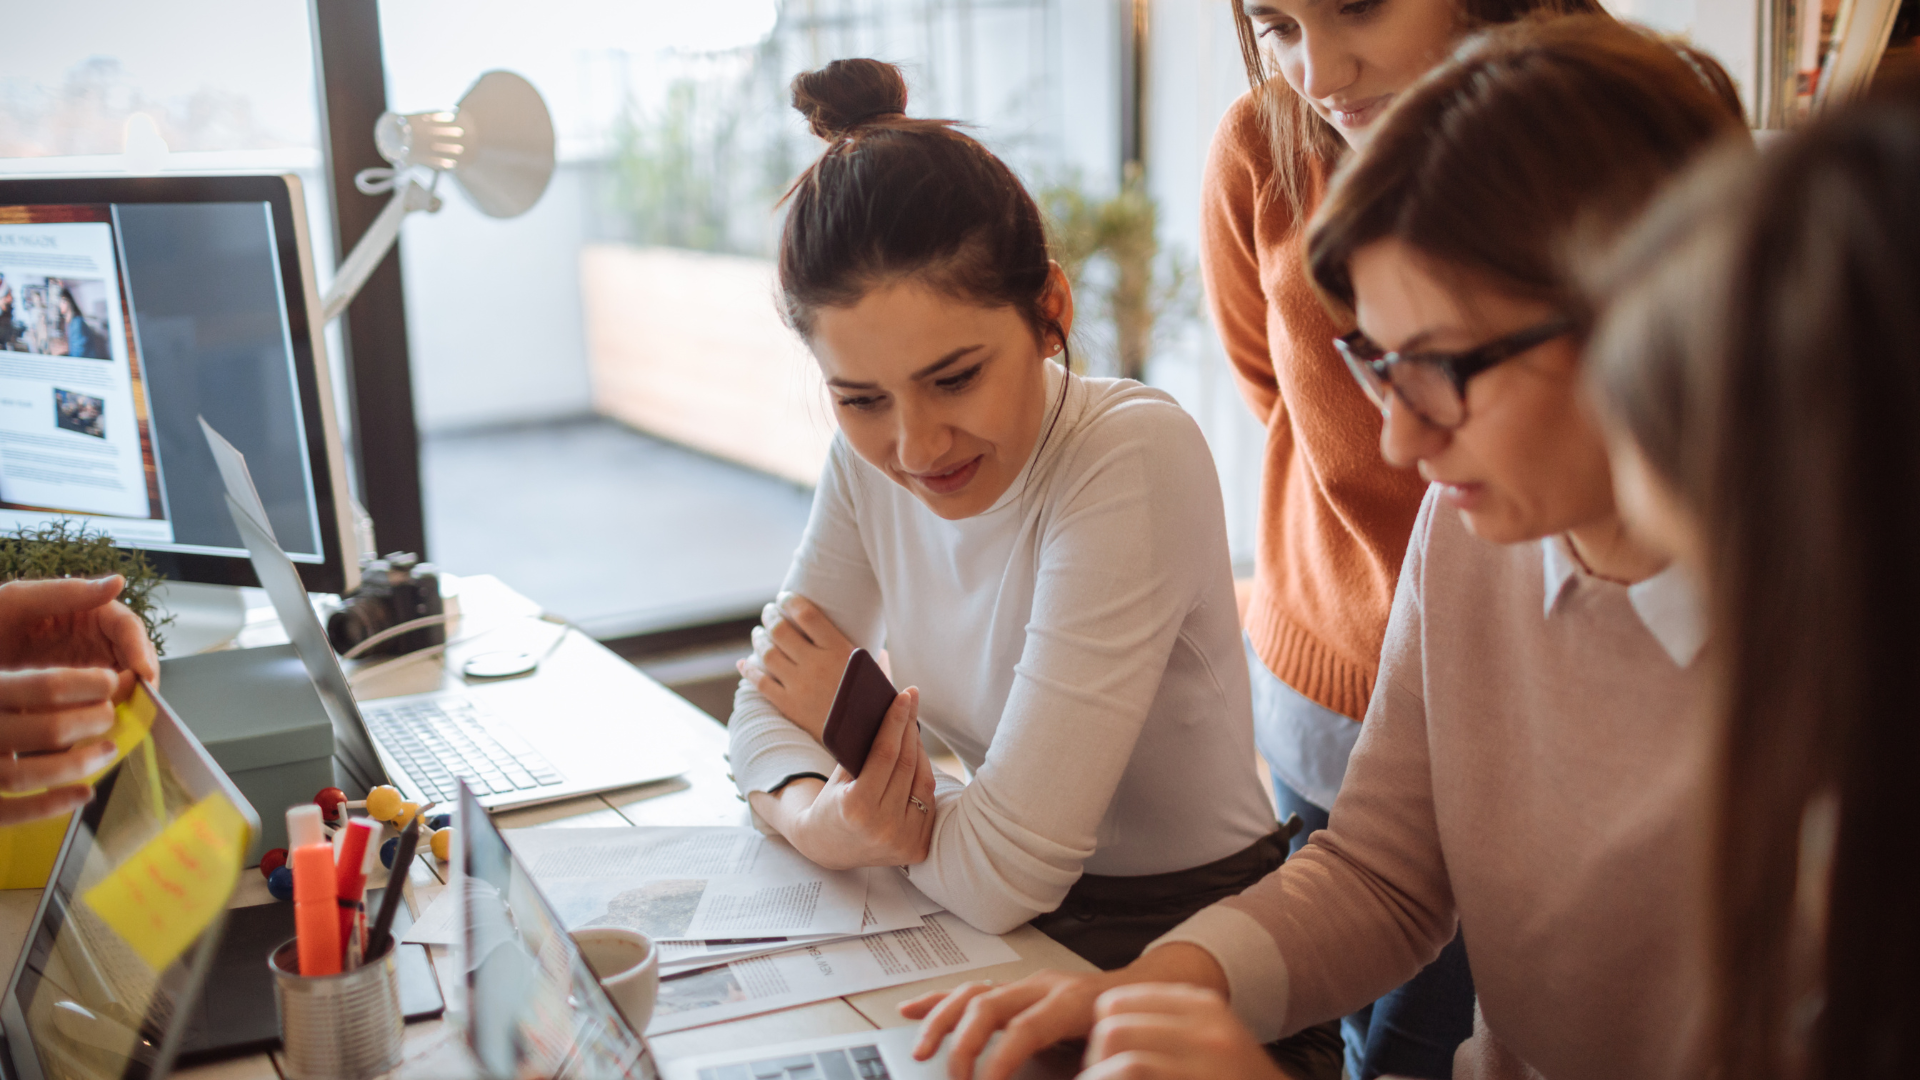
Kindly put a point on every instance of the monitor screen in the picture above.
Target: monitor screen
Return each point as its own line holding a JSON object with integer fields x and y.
{"x": 129, "y": 310}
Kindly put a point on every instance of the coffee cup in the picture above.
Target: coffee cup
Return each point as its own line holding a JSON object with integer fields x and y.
{"x": 627, "y": 966}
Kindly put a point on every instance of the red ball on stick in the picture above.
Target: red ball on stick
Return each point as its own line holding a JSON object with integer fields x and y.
{"x": 333, "y": 805}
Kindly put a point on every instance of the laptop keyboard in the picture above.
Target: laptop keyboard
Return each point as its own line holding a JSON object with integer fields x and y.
{"x": 853, "y": 1063}
{"x": 439, "y": 740}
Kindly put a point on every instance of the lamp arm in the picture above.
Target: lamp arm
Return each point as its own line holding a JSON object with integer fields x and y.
{"x": 366, "y": 255}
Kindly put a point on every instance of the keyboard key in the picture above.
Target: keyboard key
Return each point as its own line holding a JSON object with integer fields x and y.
{"x": 834, "y": 1064}
{"x": 435, "y": 741}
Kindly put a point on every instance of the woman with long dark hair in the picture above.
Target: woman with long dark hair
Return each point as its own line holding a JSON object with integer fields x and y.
{"x": 1760, "y": 361}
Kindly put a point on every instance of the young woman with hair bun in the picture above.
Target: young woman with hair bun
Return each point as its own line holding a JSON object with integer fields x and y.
{"x": 1530, "y": 771}
{"x": 1043, "y": 557}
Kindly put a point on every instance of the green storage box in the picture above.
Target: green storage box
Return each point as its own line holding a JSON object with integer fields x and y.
{"x": 258, "y": 714}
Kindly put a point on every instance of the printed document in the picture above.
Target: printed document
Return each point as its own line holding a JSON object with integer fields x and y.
{"x": 888, "y": 908}
{"x": 940, "y": 945}
{"x": 678, "y": 884}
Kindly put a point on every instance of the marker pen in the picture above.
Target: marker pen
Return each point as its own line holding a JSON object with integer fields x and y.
{"x": 350, "y": 876}
{"x": 316, "y": 913}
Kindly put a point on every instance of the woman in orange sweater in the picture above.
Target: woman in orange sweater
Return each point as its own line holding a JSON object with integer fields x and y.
{"x": 1335, "y": 518}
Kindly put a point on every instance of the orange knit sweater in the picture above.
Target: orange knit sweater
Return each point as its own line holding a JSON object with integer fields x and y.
{"x": 1334, "y": 517}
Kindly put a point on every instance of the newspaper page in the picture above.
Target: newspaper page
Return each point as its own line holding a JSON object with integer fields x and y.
{"x": 940, "y": 945}
{"x": 678, "y": 884}
{"x": 74, "y": 433}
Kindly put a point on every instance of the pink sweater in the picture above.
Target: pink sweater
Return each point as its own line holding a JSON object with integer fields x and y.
{"x": 1531, "y": 765}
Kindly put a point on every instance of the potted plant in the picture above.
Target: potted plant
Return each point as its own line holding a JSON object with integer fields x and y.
{"x": 66, "y": 548}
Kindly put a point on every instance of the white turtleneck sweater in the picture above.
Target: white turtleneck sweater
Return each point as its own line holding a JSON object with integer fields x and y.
{"x": 1076, "y": 644}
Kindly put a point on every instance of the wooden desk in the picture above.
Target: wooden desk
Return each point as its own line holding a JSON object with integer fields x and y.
{"x": 579, "y": 674}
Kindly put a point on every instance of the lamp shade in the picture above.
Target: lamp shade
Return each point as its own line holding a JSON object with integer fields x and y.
{"x": 498, "y": 143}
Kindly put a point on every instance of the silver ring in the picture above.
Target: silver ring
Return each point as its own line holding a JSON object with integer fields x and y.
{"x": 917, "y": 804}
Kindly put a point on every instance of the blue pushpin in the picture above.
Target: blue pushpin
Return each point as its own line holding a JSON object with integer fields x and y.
{"x": 439, "y": 821}
{"x": 388, "y": 850}
{"x": 280, "y": 883}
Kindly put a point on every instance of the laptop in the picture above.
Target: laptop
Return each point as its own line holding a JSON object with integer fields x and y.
{"x": 425, "y": 744}
{"x": 528, "y": 1004}
{"x": 132, "y": 916}
{"x": 886, "y": 1054}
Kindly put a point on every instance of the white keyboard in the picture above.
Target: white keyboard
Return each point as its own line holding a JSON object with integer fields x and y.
{"x": 438, "y": 740}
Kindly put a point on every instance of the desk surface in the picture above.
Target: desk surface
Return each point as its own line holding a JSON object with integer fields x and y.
{"x": 580, "y": 674}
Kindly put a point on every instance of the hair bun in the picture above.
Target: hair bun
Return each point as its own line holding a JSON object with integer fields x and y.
{"x": 847, "y": 93}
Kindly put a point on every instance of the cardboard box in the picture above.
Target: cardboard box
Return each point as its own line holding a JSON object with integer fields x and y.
{"x": 258, "y": 714}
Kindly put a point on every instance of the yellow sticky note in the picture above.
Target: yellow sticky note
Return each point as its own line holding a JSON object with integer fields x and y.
{"x": 27, "y": 850}
{"x": 165, "y": 895}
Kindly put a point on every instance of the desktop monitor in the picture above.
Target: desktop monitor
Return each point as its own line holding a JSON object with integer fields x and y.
{"x": 130, "y": 308}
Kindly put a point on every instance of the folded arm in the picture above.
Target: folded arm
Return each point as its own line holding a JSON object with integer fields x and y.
{"x": 831, "y": 569}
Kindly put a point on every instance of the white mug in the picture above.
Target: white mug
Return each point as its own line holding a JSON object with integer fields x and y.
{"x": 628, "y": 967}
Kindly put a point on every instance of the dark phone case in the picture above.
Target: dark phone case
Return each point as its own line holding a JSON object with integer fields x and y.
{"x": 859, "y": 706}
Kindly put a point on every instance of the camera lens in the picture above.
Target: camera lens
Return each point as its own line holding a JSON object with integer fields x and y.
{"x": 360, "y": 619}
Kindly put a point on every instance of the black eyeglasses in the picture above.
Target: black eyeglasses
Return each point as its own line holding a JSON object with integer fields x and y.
{"x": 1434, "y": 384}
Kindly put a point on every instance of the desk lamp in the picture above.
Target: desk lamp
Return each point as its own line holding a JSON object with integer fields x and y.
{"x": 497, "y": 143}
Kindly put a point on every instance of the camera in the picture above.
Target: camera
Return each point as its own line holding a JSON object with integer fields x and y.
{"x": 395, "y": 590}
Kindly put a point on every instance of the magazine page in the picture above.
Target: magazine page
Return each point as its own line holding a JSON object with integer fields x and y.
{"x": 72, "y": 413}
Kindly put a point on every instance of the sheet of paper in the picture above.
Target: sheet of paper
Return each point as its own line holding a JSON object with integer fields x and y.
{"x": 941, "y": 944}
{"x": 439, "y": 923}
{"x": 888, "y": 908}
{"x": 922, "y": 904}
{"x": 677, "y": 884}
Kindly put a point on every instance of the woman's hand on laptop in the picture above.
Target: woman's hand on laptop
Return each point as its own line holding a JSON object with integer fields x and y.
{"x": 53, "y": 725}
{"x": 1042, "y": 1009}
{"x": 883, "y": 817}
{"x": 74, "y": 623}
{"x": 1171, "y": 1031}
{"x": 798, "y": 657}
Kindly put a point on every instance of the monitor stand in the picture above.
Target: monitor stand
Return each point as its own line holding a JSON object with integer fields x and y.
{"x": 204, "y": 616}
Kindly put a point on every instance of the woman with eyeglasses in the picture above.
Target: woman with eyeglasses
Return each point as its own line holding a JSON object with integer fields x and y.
{"x": 1334, "y": 517}
{"x": 1530, "y": 767}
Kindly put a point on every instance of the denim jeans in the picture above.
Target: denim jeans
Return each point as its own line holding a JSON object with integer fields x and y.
{"x": 1413, "y": 1029}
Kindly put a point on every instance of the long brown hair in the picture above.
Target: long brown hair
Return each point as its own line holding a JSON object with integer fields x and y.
{"x": 1780, "y": 404}
{"x": 1301, "y": 141}
{"x": 1533, "y": 131}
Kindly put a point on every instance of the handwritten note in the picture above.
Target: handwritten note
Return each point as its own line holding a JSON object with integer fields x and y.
{"x": 170, "y": 890}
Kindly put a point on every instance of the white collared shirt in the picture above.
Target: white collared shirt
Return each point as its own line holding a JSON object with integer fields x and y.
{"x": 1668, "y": 603}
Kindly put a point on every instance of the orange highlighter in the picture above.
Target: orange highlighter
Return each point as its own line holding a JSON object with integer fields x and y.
{"x": 316, "y": 911}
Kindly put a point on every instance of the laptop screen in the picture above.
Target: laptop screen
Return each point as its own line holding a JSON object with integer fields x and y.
{"x": 131, "y": 915}
{"x": 533, "y": 1008}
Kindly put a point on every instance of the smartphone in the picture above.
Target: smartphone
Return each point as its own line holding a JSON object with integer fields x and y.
{"x": 859, "y": 706}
